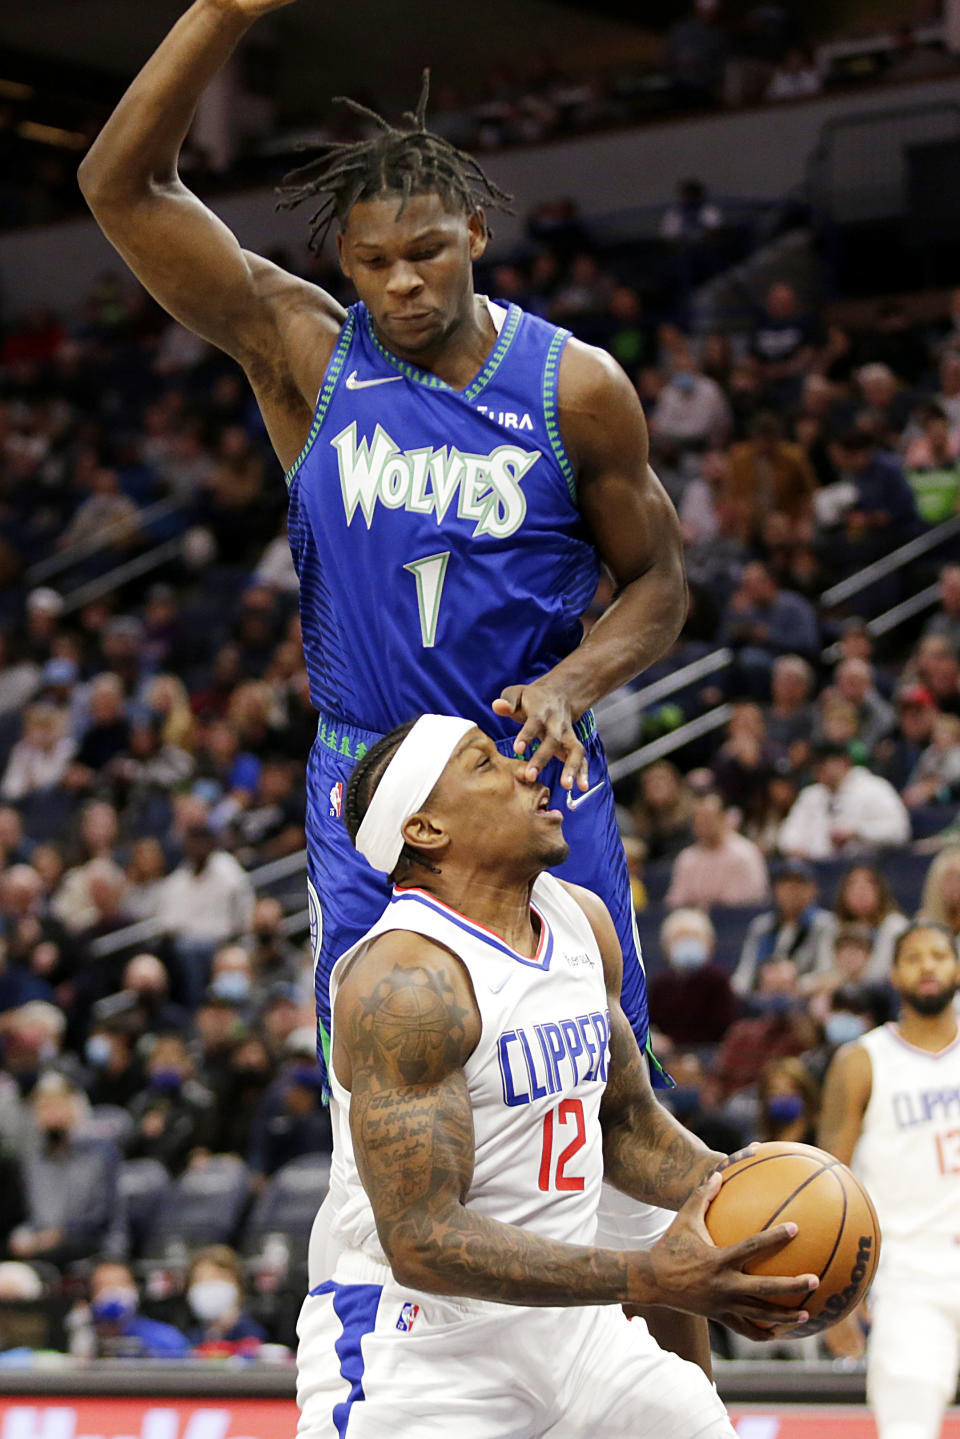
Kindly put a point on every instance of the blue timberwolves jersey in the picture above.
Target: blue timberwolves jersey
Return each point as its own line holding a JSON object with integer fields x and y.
{"x": 435, "y": 531}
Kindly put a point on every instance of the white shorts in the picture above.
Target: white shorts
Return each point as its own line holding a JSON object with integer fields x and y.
{"x": 377, "y": 1360}
{"x": 622, "y": 1223}
{"x": 915, "y": 1333}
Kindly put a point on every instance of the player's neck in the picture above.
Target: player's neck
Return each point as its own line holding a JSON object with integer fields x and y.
{"x": 463, "y": 350}
{"x": 932, "y": 1032}
{"x": 497, "y": 905}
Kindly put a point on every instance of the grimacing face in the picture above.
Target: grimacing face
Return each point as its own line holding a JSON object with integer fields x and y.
{"x": 413, "y": 271}
{"x": 482, "y": 806}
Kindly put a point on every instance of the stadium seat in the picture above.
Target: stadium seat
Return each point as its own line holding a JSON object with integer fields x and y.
{"x": 289, "y": 1205}
{"x": 204, "y": 1206}
{"x": 143, "y": 1185}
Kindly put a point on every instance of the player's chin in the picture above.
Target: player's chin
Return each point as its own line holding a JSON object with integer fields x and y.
{"x": 554, "y": 851}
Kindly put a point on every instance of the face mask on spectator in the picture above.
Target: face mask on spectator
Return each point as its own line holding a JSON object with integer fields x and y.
{"x": 688, "y": 952}
{"x": 843, "y": 1027}
{"x": 775, "y": 1005}
{"x": 113, "y": 1305}
{"x": 166, "y": 1081}
{"x": 784, "y": 1108}
{"x": 98, "y": 1050}
{"x": 233, "y": 986}
{"x": 211, "y": 1298}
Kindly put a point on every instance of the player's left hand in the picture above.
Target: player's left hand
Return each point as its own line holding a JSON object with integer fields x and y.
{"x": 543, "y": 711}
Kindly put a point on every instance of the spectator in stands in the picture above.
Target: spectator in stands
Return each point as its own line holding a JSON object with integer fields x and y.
{"x": 292, "y": 1119}
{"x": 938, "y": 670}
{"x": 74, "y": 1208}
{"x": 946, "y": 622}
{"x": 232, "y": 978}
{"x": 773, "y": 476}
{"x": 114, "y": 1071}
{"x": 39, "y": 760}
{"x": 783, "y": 343}
{"x": 783, "y": 1028}
{"x": 847, "y": 810}
{"x": 932, "y": 464}
{"x": 790, "y": 716}
{"x": 949, "y": 397}
{"x": 744, "y": 763}
{"x": 144, "y": 1001}
{"x": 209, "y": 897}
{"x": 120, "y": 1331}
{"x": 174, "y": 1114}
{"x": 44, "y": 611}
{"x": 692, "y": 1002}
{"x": 762, "y": 622}
{"x": 271, "y": 953}
{"x": 886, "y": 404}
{"x": 795, "y": 78}
{"x": 107, "y": 735}
{"x": 940, "y": 900}
{"x": 32, "y": 1040}
{"x": 797, "y": 928}
{"x": 693, "y": 216}
{"x": 215, "y": 1295}
{"x": 108, "y": 519}
{"x": 271, "y": 823}
{"x": 936, "y": 776}
{"x": 865, "y": 898}
{"x": 240, "y": 1088}
{"x": 15, "y": 848}
{"x": 721, "y": 867}
{"x": 788, "y": 1098}
{"x": 832, "y": 990}
{"x": 696, "y": 55}
{"x": 663, "y": 813}
{"x": 854, "y": 682}
{"x": 877, "y": 508}
{"x": 691, "y": 412}
{"x": 146, "y": 871}
{"x": 897, "y": 757}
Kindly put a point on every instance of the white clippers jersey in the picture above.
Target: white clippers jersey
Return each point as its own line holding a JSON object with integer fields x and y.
{"x": 908, "y": 1155}
{"x": 535, "y": 1079}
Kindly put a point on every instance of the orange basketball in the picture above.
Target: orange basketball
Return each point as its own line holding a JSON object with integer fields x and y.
{"x": 838, "y": 1235}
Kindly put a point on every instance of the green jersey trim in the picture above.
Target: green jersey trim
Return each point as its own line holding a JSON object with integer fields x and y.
{"x": 551, "y": 371}
{"x": 334, "y": 371}
{"x": 433, "y": 382}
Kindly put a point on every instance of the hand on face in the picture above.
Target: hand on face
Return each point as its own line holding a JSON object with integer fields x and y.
{"x": 544, "y": 714}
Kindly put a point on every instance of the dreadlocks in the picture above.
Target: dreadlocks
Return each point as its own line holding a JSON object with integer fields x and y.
{"x": 362, "y": 786}
{"x": 413, "y": 161}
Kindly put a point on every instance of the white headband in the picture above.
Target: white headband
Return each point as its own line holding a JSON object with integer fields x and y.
{"x": 405, "y": 784}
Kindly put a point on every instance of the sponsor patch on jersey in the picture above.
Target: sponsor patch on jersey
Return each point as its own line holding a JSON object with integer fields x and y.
{"x": 336, "y": 800}
{"x": 408, "y": 1314}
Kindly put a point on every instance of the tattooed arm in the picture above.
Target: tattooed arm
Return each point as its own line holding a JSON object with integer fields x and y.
{"x": 646, "y": 1153}
{"x": 405, "y": 1023}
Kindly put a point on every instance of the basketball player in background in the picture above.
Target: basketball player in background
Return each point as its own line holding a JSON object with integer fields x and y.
{"x": 484, "y": 1080}
{"x": 891, "y": 1106}
{"x": 459, "y": 472}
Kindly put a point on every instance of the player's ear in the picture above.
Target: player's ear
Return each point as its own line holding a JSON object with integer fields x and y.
{"x": 479, "y": 234}
{"x": 341, "y": 255}
{"x": 422, "y": 832}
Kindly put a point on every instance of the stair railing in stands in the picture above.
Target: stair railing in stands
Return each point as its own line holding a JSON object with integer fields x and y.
{"x": 906, "y": 610}
{"x": 45, "y": 570}
{"x": 666, "y": 744}
{"x": 889, "y": 564}
{"x": 122, "y": 574}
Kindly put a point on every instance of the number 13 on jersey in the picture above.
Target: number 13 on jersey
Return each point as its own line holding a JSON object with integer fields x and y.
{"x": 429, "y": 573}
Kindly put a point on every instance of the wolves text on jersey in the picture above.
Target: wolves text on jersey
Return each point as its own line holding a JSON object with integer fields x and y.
{"x": 553, "y": 1057}
{"x": 426, "y": 481}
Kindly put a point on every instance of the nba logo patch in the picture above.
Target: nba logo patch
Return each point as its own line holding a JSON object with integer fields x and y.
{"x": 336, "y": 800}
{"x": 408, "y": 1314}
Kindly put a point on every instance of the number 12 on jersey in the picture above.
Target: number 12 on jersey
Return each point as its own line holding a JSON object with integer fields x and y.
{"x": 567, "y": 1112}
{"x": 429, "y": 574}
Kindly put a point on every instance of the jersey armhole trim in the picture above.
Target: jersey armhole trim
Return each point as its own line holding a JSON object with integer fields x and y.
{"x": 334, "y": 371}
{"x": 551, "y": 372}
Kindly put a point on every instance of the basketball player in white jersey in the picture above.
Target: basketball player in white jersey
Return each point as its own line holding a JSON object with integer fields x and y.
{"x": 891, "y": 1107}
{"x": 485, "y": 1081}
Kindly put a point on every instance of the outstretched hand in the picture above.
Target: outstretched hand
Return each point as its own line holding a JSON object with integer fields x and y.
{"x": 544, "y": 713}
{"x": 696, "y": 1276}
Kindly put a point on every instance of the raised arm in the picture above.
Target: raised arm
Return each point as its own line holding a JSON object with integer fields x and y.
{"x": 280, "y": 328}
{"x": 405, "y": 1023}
{"x": 637, "y": 534}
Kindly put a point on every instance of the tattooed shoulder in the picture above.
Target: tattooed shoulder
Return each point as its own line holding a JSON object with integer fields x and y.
{"x": 410, "y": 1015}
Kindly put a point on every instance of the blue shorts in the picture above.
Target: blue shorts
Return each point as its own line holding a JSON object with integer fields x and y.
{"x": 346, "y": 896}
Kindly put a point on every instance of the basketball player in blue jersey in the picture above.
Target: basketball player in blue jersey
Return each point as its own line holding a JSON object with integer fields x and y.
{"x": 459, "y": 472}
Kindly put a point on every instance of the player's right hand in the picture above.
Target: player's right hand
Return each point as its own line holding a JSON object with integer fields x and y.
{"x": 693, "y": 1274}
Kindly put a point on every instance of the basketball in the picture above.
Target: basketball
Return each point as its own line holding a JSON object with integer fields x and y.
{"x": 838, "y": 1234}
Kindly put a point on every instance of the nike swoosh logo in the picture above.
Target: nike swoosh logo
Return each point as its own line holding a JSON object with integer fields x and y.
{"x": 576, "y": 803}
{"x": 354, "y": 384}
{"x": 496, "y": 988}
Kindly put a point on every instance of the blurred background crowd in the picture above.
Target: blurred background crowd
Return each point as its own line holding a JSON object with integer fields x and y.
{"x": 787, "y": 803}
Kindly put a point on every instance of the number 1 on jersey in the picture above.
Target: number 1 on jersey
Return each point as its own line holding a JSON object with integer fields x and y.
{"x": 429, "y": 574}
